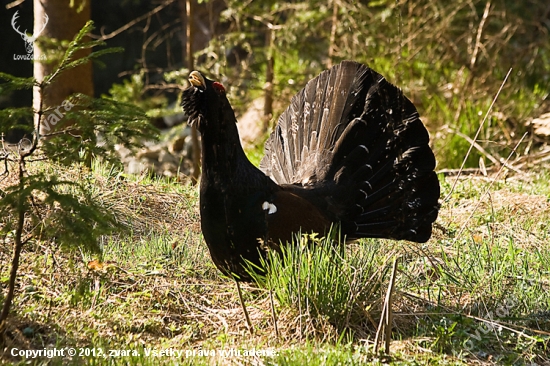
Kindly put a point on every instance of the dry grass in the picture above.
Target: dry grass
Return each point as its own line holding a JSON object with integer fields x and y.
{"x": 507, "y": 211}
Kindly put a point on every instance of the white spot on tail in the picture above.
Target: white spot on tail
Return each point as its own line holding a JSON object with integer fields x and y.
{"x": 269, "y": 207}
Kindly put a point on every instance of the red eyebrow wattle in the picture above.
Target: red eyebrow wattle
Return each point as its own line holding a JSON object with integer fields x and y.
{"x": 218, "y": 86}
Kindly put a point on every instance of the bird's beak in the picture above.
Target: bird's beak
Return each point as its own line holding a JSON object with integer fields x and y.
{"x": 197, "y": 80}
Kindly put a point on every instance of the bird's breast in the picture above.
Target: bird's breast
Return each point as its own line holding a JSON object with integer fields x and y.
{"x": 234, "y": 224}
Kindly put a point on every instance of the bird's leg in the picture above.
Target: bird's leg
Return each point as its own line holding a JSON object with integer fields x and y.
{"x": 273, "y": 313}
{"x": 386, "y": 318}
{"x": 248, "y": 322}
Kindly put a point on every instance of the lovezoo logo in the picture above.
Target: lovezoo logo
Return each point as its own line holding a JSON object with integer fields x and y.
{"x": 29, "y": 40}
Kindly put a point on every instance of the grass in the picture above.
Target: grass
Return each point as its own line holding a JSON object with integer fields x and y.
{"x": 476, "y": 293}
{"x": 326, "y": 282}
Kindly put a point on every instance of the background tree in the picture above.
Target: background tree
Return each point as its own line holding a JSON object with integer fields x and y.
{"x": 187, "y": 12}
{"x": 65, "y": 20}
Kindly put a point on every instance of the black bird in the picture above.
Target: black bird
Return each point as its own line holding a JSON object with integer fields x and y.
{"x": 350, "y": 149}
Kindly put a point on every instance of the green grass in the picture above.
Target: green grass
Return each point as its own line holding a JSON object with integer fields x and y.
{"x": 476, "y": 292}
{"x": 326, "y": 281}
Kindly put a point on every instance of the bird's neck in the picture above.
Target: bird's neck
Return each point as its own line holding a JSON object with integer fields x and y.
{"x": 223, "y": 157}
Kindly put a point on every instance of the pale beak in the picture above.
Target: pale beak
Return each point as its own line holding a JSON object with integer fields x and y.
{"x": 197, "y": 80}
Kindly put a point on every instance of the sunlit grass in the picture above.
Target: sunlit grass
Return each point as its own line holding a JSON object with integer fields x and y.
{"x": 477, "y": 289}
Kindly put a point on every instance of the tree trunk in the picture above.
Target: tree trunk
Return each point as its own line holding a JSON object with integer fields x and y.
{"x": 332, "y": 40}
{"x": 187, "y": 19}
{"x": 269, "y": 75}
{"x": 63, "y": 23}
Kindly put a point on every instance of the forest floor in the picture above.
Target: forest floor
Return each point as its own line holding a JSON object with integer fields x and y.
{"x": 478, "y": 292}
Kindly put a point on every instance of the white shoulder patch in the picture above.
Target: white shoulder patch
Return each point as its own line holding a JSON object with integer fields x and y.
{"x": 269, "y": 207}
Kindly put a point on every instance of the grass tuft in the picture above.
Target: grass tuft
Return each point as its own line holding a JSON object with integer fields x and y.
{"x": 325, "y": 281}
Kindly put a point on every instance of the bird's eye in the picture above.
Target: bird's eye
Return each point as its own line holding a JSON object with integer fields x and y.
{"x": 218, "y": 87}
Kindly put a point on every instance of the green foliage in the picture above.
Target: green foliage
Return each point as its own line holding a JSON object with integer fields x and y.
{"x": 489, "y": 274}
{"x": 450, "y": 59}
{"x": 256, "y": 153}
{"x": 12, "y": 83}
{"x": 131, "y": 92}
{"x": 113, "y": 121}
{"x": 71, "y": 216}
{"x": 69, "y": 61}
{"x": 12, "y": 118}
{"x": 55, "y": 206}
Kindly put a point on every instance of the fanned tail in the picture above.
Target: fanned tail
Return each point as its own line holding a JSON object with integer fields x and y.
{"x": 357, "y": 144}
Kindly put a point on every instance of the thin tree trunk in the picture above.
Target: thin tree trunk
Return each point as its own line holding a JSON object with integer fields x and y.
{"x": 269, "y": 75}
{"x": 18, "y": 246}
{"x": 332, "y": 41}
{"x": 187, "y": 19}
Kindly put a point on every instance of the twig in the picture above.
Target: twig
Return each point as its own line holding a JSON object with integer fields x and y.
{"x": 59, "y": 132}
{"x": 478, "y": 35}
{"x": 450, "y": 172}
{"x": 134, "y": 22}
{"x": 488, "y": 188}
{"x": 477, "y": 134}
{"x": 502, "y": 325}
{"x": 485, "y": 153}
{"x": 449, "y": 311}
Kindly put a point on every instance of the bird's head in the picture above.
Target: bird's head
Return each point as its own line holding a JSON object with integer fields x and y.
{"x": 206, "y": 103}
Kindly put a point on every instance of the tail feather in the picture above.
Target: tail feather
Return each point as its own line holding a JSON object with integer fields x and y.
{"x": 354, "y": 138}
